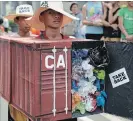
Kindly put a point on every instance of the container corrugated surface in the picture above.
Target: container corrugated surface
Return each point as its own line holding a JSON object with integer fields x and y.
{"x": 32, "y": 79}
{"x": 5, "y": 68}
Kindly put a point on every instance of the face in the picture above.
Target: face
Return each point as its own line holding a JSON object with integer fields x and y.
{"x": 130, "y": 3}
{"x": 74, "y": 9}
{"x": 23, "y": 26}
{"x": 52, "y": 18}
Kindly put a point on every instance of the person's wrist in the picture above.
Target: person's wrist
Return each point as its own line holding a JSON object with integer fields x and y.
{"x": 126, "y": 35}
{"x": 111, "y": 25}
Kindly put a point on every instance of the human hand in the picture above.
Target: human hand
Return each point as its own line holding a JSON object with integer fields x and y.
{"x": 87, "y": 22}
{"x": 90, "y": 23}
{"x": 129, "y": 37}
{"x": 114, "y": 26}
{"x": 97, "y": 23}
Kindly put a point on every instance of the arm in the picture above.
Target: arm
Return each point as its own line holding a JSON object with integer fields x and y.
{"x": 105, "y": 23}
{"x": 84, "y": 21}
{"x": 111, "y": 11}
{"x": 104, "y": 11}
{"x": 128, "y": 37}
{"x": 122, "y": 27}
{"x": 111, "y": 17}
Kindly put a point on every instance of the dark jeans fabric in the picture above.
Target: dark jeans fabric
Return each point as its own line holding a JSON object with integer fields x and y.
{"x": 93, "y": 36}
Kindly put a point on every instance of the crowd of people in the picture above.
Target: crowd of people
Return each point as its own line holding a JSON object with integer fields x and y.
{"x": 109, "y": 21}
{"x": 106, "y": 21}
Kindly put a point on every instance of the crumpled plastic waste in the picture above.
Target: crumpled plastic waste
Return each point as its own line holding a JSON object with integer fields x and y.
{"x": 92, "y": 79}
{"x": 97, "y": 84}
{"x": 81, "y": 108}
{"x": 100, "y": 74}
{"x": 76, "y": 99}
{"x": 87, "y": 83}
{"x": 101, "y": 99}
{"x": 88, "y": 74}
{"x": 99, "y": 56}
{"x": 75, "y": 76}
{"x": 77, "y": 61}
{"x": 86, "y": 66}
{"x": 77, "y": 66}
{"x": 81, "y": 53}
{"x": 86, "y": 88}
{"x": 88, "y": 69}
{"x": 77, "y": 71}
{"x": 74, "y": 85}
{"x": 90, "y": 104}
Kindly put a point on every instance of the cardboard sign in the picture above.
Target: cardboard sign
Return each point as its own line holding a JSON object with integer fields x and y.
{"x": 119, "y": 77}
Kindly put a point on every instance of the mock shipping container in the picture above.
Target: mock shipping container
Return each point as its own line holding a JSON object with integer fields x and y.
{"x": 5, "y": 88}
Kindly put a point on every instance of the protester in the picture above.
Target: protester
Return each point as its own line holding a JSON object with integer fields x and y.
{"x": 74, "y": 28}
{"x": 49, "y": 19}
{"x": 92, "y": 18}
{"x": 22, "y": 12}
{"x": 126, "y": 22}
{"x": 110, "y": 21}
